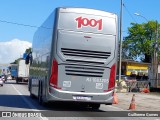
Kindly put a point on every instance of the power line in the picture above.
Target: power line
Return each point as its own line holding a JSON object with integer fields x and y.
{"x": 129, "y": 13}
{"x": 24, "y": 25}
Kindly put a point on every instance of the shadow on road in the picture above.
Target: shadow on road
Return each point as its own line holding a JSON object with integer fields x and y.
{"x": 17, "y": 101}
{"x": 14, "y": 101}
{"x": 69, "y": 106}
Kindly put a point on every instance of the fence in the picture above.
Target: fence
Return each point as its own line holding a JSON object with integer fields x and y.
{"x": 155, "y": 83}
{"x": 137, "y": 85}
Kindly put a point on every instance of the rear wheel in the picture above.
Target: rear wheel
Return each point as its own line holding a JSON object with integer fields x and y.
{"x": 40, "y": 99}
{"x": 95, "y": 106}
{"x": 30, "y": 91}
{"x": 31, "y": 95}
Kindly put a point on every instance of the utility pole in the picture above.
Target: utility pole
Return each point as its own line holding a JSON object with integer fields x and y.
{"x": 120, "y": 43}
{"x": 155, "y": 58}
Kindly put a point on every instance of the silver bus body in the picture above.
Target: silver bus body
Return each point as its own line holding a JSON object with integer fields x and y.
{"x": 75, "y": 57}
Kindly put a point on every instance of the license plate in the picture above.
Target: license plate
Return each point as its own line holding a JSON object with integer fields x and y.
{"x": 81, "y": 98}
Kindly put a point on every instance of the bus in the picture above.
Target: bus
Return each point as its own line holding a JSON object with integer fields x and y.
{"x": 74, "y": 57}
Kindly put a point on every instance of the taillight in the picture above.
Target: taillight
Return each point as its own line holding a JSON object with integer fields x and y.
{"x": 112, "y": 78}
{"x": 54, "y": 74}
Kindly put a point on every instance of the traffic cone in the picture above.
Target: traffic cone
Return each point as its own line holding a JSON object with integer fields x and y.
{"x": 146, "y": 90}
{"x": 115, "y": 99}
{"x": 132, "y": 105}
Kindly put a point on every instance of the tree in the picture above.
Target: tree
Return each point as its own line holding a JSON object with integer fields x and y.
{"x": 140, "y": 41}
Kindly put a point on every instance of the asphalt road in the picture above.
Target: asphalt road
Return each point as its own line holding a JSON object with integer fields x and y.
{"x": 15, "y": 97}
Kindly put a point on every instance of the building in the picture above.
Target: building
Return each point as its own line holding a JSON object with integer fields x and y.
{"x": 132, "y": 67}
{"x": 140, "y": 70}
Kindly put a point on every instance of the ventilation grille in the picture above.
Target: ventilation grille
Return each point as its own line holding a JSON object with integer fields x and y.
{"x": 85, "y": 53}
{"x": 84, "y": 63}
{"x": 84, "y": 71}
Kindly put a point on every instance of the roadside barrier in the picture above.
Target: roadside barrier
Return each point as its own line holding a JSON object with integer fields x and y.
{"x": 132, "y": 104}
{"x": 137, "y": 85}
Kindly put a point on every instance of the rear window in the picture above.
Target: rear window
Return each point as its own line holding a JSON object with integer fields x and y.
{"x": 87, "y": 23}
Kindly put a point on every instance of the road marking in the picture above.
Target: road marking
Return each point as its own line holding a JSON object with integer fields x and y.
{"x": 29, "y": 104}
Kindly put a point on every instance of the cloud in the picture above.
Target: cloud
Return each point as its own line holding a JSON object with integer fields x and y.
{"x": 12, "y": 50}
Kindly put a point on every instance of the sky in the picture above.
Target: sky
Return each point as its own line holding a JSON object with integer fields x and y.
{"x": 15, "y": 36}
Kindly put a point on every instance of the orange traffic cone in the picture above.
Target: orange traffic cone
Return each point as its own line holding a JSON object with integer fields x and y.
{"x": 146, "y": 90}
{"x": 115, "y": 99}
{"x": 132, "y": 105}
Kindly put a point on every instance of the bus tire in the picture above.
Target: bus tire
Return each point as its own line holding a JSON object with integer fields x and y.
{"x": 31, "y": 95}
{"x": 40, "y": 99}
{"x": 95, "y": 106}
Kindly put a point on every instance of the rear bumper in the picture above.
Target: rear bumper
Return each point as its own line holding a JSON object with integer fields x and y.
{"x": 60, "y": 95}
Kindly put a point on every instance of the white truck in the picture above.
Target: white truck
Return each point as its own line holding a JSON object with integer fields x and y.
{"x": 22, "y": 71}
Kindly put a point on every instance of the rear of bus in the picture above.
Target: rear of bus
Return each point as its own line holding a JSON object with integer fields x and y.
{"x": 85, "y": 56}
